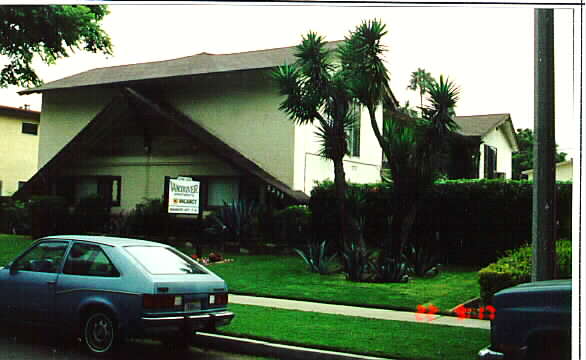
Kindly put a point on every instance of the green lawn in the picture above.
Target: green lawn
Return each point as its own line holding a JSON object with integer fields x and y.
{"x": 288, "y": 277}
{"x": 11, "y": 246}
{"x": 357, "y": 335}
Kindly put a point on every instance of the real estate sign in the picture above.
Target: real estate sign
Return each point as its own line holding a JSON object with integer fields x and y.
{"x": 183, "y": 196}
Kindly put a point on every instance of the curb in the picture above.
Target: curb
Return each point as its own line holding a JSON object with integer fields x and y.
{"x": 265, "y": 348}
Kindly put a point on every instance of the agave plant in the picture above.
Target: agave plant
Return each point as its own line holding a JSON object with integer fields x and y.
{"x": 235, "y": 218}
{"x": 317, "y": 258}
{"x": 390, "y": 269}
{"x": 356, "y": 261}
{"x": 421, "y": 261}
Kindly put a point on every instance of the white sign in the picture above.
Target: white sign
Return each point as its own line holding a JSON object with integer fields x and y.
{"x": 183, "y": 196}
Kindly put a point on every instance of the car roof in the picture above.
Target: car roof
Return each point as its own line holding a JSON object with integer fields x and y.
{"x": 106, "y": 240}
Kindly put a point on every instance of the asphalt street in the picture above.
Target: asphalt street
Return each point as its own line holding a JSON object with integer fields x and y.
{"x": 35, "y": 346}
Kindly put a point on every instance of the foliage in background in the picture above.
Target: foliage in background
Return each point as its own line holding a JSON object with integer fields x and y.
{"x": 49, "y": 216}
{"x": 515, "y": 268}
{"x": 51, "y": 32}
{"x": 14, "y": 216}
{"x": 91, "y": 215}
{"x": 293, "y": 224}
{"x": 316, "y": 256}
{"x": 420, "y": 80}
{"x": 523, "y": 159}
{"x": 464, "y": 221}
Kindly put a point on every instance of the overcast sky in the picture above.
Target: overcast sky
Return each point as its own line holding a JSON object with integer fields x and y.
{"x": 487, "y": 51}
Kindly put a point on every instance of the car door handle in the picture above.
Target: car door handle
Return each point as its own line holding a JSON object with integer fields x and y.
{"x": 51, "y": 282}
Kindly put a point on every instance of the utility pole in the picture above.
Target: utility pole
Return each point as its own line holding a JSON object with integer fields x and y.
{"x": 544, "y": 186}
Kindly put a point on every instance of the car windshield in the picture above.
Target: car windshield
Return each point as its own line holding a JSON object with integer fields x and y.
{"x": 160, "y": 260}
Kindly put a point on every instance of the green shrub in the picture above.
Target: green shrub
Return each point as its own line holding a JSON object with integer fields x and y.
{"x": 469, "y": 222}
{"x": 15, "y": 217}
{"x": 293, "y": 224}
{"x": 49, "y": 216}
{"x": 515, "y": 268}
{"x": 91, "y": 215}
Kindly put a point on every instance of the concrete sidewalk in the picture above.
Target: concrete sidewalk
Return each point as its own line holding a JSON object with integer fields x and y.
{"x": 357, "y": 311}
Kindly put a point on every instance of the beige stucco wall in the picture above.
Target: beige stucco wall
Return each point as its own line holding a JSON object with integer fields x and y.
{"x": 310, "y": 167}
{"x": 504, "y": 162}
{"x": 66, "y": 112}
{"x": 18, "y": 152}
{"x": 242, "y": 109}
{"x": 143, "y": 175}
{"x": 563, "y": 171}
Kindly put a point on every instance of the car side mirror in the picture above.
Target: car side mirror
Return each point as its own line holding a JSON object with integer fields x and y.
{"x": 12, "y": 267}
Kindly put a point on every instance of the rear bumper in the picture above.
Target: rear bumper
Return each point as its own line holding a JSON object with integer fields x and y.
{"x": 185, "y": 323}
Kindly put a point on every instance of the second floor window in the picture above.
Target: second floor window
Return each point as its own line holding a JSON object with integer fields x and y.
{"x": 353, "y": 133}
{"x": 30, "y": 128}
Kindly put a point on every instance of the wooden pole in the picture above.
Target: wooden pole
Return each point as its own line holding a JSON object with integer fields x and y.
{"x": 544, "y": 187}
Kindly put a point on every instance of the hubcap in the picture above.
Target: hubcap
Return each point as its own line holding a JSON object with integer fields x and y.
{"x": 99, "y": 333}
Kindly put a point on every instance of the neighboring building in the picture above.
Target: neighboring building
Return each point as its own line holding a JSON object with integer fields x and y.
{"x": 563, "y": 171}
{"x": 121, "y": 131}
{"x": 494, "y": 141}
{"x": 19, "y": 147}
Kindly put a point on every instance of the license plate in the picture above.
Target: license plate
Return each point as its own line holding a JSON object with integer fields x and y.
{"x": 192, "y": 306}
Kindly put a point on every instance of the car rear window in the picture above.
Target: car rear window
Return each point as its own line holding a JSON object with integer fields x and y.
{"x": 160, "y": 260}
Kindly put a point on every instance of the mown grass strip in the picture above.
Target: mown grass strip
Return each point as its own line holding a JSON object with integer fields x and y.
{"x": 394, "y": 339}
{"x": 11, "y": 246}
{"x": 288, "y": 277}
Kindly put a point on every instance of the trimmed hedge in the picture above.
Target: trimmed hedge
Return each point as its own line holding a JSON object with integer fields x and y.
{"x": 468, "y": 222}
{"x": 515, "y": 268}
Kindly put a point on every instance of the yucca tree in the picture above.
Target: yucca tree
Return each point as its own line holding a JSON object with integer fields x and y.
{"x": 410, "y": 145}
{"x": 316, "y": 92}
{"x": 415, "y": 156}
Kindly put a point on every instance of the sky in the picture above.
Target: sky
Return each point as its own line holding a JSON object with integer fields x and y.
{"x": 486, "y": 51}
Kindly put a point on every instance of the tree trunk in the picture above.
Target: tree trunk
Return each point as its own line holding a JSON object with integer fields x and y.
{"x": 340, "y": 183}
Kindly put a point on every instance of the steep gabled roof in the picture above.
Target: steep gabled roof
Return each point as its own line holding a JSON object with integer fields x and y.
{"x": 202, "y": 63}
{"x": 97, "y": 129}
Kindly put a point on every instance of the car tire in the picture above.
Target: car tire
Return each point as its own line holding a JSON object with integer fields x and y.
{"x": 99, "y": 332}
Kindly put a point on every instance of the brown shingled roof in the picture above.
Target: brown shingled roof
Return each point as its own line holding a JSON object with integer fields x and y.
{"x": 202, "y": 63}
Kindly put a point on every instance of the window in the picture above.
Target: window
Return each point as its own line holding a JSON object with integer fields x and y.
{"x": 89, "y": 260}
{"x": 30, "y": 128}
{"x": 353, "y": 133}
{"x": 45, "y": 257}
{"x": 490, "y": 156}
{"x": 75, "y": 188}
{"x": 159, "y": 260}
{"x": 222, "y": 190}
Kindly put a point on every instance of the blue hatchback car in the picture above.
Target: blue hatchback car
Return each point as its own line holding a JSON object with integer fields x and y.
{"x": 106, "y": 289}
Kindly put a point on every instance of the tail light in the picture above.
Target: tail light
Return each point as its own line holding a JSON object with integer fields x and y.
{"x": 161, "y": 301}
{"x": 218, "y": 299}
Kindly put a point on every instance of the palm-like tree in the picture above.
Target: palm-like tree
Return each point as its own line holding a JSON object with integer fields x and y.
{"x": 316, "y": 91}
{"x": 421, "y": 80}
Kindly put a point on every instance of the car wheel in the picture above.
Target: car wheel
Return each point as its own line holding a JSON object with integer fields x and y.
{"x": 99, "y": 332}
